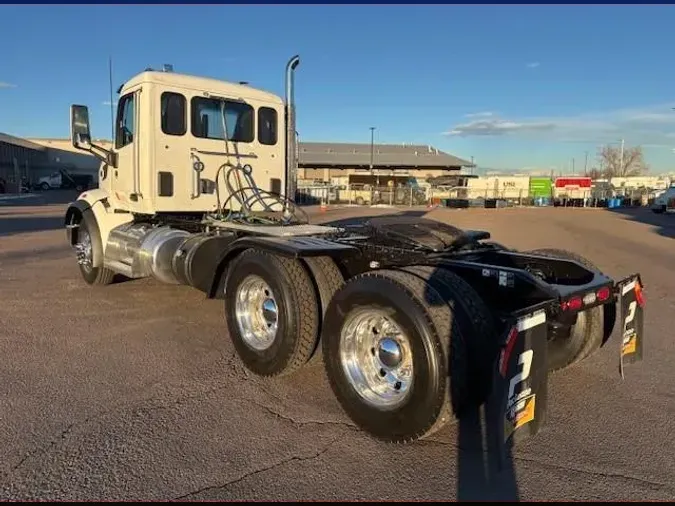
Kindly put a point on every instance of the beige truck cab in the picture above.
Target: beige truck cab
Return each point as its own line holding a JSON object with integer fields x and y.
{"x": 174, "y": 136}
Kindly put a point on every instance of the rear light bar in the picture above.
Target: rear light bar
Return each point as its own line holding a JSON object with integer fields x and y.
{"x": 579, "y": 301}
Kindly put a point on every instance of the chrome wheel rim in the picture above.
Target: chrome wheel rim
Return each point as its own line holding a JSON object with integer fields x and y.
{"x": 83, "y": 250}
{"x": 257, "y": 313}
{"x": 376, "y": 357}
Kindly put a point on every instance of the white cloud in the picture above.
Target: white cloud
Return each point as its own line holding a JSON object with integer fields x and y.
{"x": 107, "y": 103}
{"x": 533, "y": 65}
{"x": 6, "y": 85}
{"x": 485, "y": 114}
{"x": 652, "y": 126}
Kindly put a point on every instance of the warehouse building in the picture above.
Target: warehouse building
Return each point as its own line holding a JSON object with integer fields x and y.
{"x": 19, "y": 158}
{"x": 323, "y": 161}
{"x": 63, "y": 155}
{"x": 317, "y": 161}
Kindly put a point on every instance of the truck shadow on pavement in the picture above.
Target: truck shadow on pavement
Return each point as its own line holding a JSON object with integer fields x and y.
{"x": 481, "y": 474}
{"x": 10, "y": 225}
{"x": 664, "y": 223}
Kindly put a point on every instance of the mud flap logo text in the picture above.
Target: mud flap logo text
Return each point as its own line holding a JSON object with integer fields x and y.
{"x": 629, "y": 334}
{"x": 520, "y": 403}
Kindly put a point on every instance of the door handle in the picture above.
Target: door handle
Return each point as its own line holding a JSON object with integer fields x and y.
{"x": 197, "y": 169}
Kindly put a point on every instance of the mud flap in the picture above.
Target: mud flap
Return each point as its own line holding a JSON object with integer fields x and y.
{"x": 631, "y": 301}
{"x": 517, "y": 406}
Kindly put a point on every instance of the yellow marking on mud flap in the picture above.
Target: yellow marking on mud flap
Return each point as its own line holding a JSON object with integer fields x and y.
{"x": 630, "y": 345}
{"x": 520, "y": 416}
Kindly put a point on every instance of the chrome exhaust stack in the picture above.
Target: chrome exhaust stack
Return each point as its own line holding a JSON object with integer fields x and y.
{"x": 291, "y": 144}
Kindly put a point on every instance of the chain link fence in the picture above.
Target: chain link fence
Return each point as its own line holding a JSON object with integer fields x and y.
{"x": 462, "y": 197}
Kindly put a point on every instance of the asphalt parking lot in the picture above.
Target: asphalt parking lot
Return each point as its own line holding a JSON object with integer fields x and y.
{"x": 133, "y": 391}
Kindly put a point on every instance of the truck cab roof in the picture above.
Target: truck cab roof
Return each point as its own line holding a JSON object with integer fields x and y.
{"x": 214, "y": 86}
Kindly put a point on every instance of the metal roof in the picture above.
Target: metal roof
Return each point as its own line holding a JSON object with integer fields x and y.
{"x": 336, "y": 154}
{"x": 23, "y": 143}
{"x": 318, "y": 154}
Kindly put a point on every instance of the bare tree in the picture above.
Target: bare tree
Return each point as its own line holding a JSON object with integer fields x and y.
{"x": 595, "y": 173}
{"x": 632, "y": 164}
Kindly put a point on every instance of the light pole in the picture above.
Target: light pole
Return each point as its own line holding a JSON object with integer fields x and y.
{"x": 372, "y": 152}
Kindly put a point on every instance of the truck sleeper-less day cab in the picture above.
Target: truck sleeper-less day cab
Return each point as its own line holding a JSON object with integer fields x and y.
{"x": 415, "y": 321}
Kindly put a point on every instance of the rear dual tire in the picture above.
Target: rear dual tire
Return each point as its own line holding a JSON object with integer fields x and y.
{"x": 414, "y": 370}
{"x": 272, "y": 312}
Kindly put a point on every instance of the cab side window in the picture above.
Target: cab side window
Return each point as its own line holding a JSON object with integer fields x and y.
{"x": 173, "y": 108}
{"x": 267, "y": 126}
{"x": 208, "y": 122}
{"x": 125, "y": 121}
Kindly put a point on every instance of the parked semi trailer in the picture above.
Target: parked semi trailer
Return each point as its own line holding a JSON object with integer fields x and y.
{"x": 415, "y": 321}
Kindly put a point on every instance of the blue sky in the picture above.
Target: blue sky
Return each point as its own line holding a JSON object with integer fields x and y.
{"x": 517, "y": 87}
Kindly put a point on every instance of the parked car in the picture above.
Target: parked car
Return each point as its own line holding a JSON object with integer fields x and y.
{"x": 62, "y": 179}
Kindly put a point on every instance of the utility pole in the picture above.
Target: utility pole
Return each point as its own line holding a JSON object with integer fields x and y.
{"x": 621, "y": 162}
{"x": 372, "y": 152}
{"x": 572, "y": 166}
{"x": 586, "y": 164}
{"x": 112, "y": 107}
{"x": 372, "y": 145}
{"x": 472, "y": 165}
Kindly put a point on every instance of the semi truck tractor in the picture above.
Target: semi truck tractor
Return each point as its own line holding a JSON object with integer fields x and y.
{"x": 415, "y": 321}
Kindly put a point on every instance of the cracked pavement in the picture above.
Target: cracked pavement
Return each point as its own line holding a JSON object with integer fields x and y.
{"x": 133, "y": 391}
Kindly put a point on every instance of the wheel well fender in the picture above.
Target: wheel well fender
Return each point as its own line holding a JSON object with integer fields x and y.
{"x": 95, "y": 236}
{"x": 74, "y": 215}
{"x": 216, "y": 291}
{"x": 294, "y": 247}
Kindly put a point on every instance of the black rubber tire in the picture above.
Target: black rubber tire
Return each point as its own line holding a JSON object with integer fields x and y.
{"x": 421, "y": 313}
{"x": 298, "y": 312}
{"x": 96, "y": 276}
{"x": 327, "y": 279}
{"x": 584, "y": 339}
{"x": 359, "y": 201}
{"x": 474, "y": 344}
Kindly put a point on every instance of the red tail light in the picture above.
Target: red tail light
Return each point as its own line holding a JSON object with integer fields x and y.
{"x": 604, "y": 293}
{"x": 573, "y": 304}
{"x": 639, "y": 295}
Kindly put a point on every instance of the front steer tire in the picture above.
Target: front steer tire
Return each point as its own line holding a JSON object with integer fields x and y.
{"x": 421, "y": 314}
{"x": 88, "y": 231}
{"x": 289, "y": 286}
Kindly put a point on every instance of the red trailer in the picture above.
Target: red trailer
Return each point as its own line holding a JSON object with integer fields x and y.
{"x": 572, "y": 187}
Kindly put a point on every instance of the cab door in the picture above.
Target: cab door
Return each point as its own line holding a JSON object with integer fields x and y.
{"x": 125, "y": 177}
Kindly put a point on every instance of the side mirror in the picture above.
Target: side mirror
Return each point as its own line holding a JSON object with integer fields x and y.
{"x": 79, "y": 127}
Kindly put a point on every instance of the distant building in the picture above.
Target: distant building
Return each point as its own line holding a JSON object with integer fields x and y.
{"x": 321, "y": 161}
{"x": 19, "y": 158}
{"x": 326, "y": 160}
{"x": 62, "y": 154}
